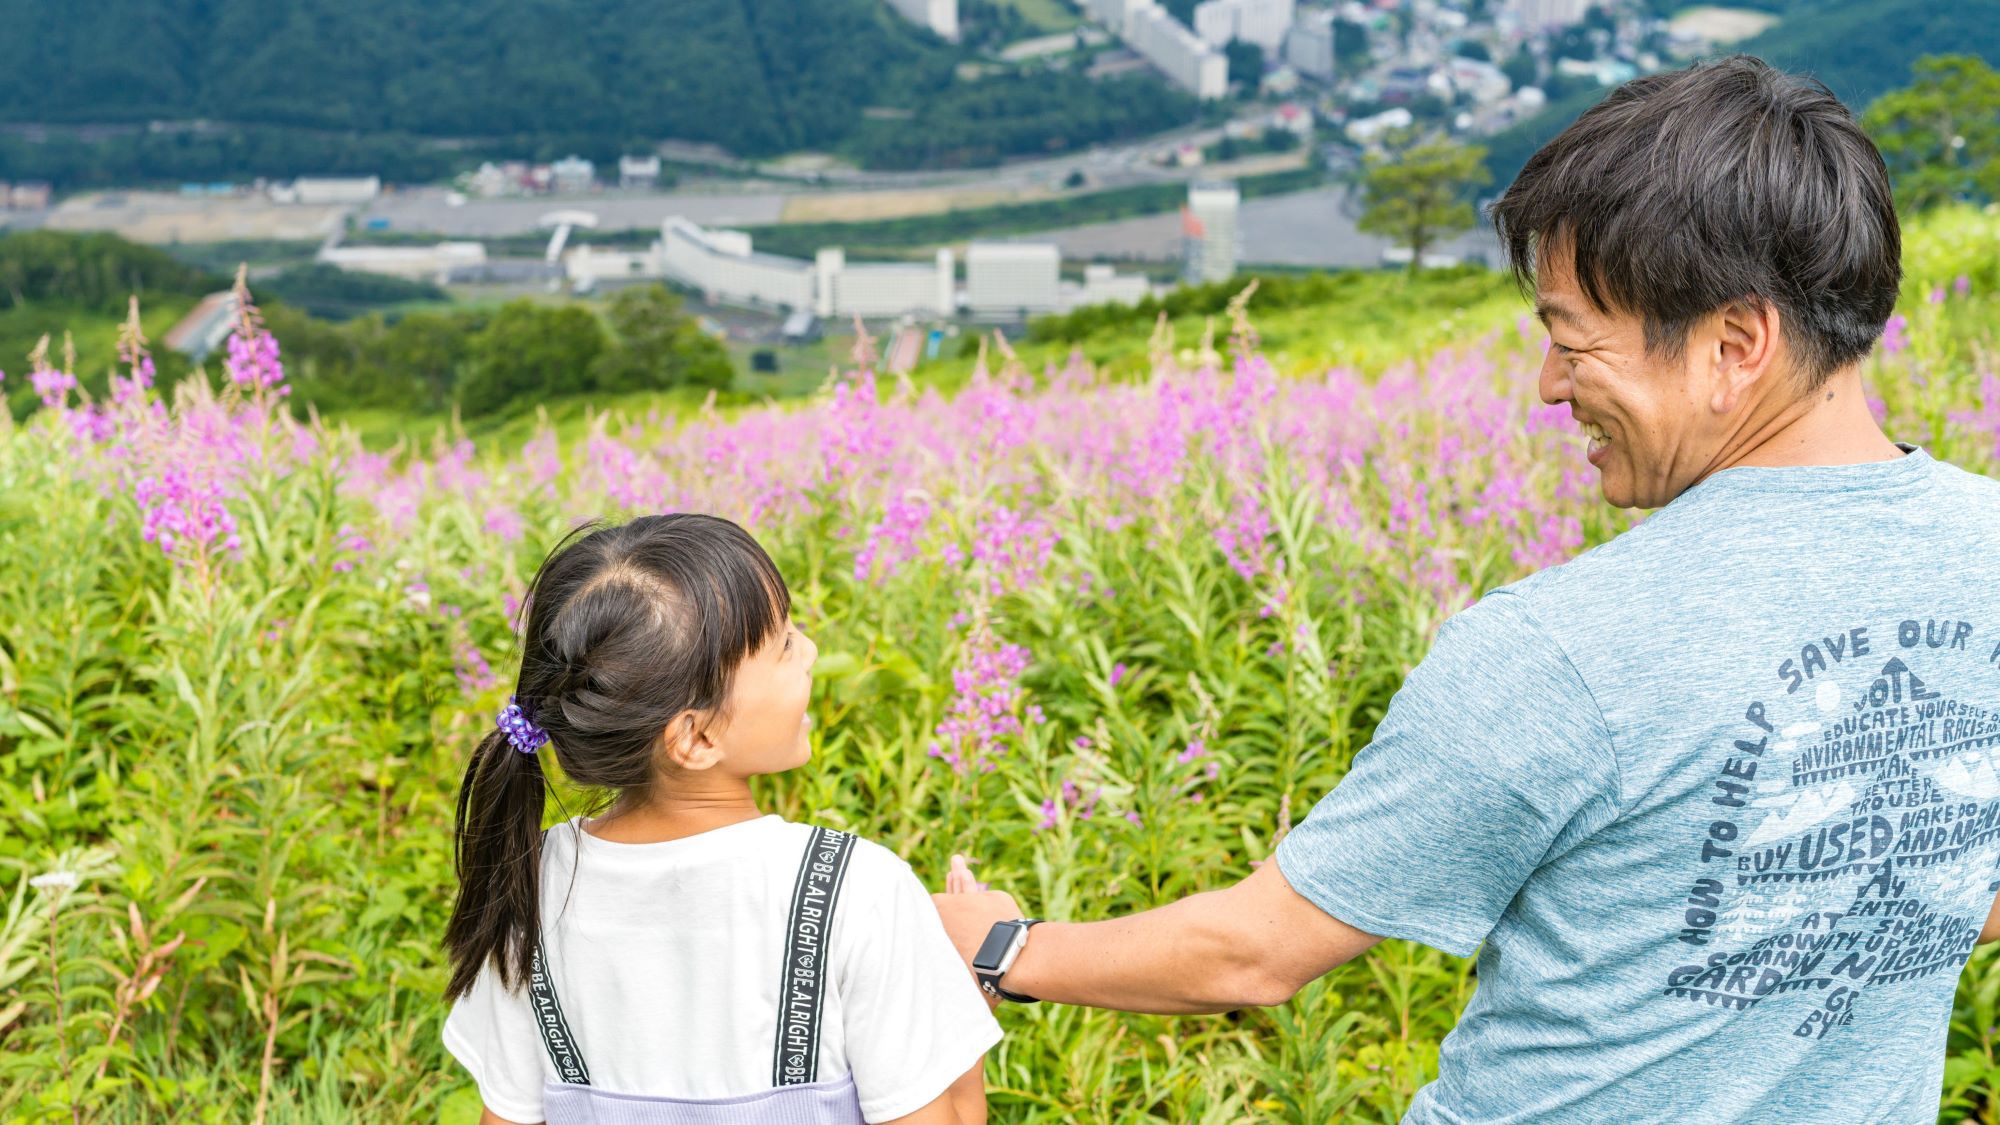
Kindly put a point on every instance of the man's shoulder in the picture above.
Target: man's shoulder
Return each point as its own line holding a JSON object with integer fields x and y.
{"x": 1632, "y": 560}
{"x": 1977, "y": 487}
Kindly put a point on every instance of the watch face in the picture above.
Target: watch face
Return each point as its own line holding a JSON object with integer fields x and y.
{"x": 994, "y": 947}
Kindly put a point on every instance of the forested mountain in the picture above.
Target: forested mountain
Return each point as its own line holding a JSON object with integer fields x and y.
{"x": 1859, "y": 48}
{"x": 757, "y": 76}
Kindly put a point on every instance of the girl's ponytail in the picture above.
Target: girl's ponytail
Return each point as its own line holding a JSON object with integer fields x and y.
{"x": 498, "y": 854}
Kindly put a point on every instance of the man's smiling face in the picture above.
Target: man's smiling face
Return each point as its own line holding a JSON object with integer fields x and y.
{"x": 1652, "y": 436}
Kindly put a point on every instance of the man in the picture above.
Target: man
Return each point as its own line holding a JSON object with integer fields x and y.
{"x": 1716, "y": 804}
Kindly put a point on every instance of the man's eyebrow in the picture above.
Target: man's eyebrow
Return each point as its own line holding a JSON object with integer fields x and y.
{"x": 1549, "y": 311}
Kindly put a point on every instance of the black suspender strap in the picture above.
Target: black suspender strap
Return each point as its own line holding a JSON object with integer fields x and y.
{"x": 555, "y": 1030}
{"x": 549, "y": 1016}
{"x": 814, "y": 894}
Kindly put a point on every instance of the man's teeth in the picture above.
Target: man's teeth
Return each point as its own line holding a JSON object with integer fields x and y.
{"x": 1594, "y": 432}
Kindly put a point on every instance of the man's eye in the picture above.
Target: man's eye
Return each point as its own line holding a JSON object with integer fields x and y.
{"x": 1560, "y": 348}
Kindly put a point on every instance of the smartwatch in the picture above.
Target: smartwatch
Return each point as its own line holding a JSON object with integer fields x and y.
{"x": 996, "y": 955}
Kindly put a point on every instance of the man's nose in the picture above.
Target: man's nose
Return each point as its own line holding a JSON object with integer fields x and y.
{"x": 1553, "y": 381}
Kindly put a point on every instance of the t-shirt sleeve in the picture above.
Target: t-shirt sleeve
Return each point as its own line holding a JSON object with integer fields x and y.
{"x": 912, "y": 1018}
{"x": 491, "y": 1032}
{"x": 1489, "y": 753}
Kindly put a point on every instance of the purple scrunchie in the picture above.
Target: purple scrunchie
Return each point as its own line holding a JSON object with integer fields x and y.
{"x": 522, "y": 734}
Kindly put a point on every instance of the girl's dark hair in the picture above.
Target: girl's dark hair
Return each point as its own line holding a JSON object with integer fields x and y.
{"x": 628, "y": 626}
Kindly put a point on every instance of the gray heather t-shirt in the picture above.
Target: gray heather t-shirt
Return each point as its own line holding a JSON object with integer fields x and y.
{"x": 1719, "y": 797}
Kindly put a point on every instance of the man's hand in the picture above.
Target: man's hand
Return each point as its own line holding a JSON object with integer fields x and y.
{"x": 969, "y": 910}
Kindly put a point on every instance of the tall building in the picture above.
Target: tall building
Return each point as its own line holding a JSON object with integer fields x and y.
{"x": 1263, "y": 22}
{"x": 1179, "y": 53}
{"x": 1008, "y": 279}
{"x": 1541, "y": 15}
{"x": 1309, "y": 47}
{"x": 941, "y": 16}
{"x": 1208, "y": 232}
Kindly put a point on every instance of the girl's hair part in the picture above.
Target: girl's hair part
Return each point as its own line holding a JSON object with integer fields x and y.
{"x": 628, "y": 626}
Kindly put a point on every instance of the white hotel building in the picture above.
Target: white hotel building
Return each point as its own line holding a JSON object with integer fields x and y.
{"x": 882, "y": 288}
{"x": 723, "y": 266}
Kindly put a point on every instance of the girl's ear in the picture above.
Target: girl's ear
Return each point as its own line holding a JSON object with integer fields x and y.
{"x": 686, "y": 744}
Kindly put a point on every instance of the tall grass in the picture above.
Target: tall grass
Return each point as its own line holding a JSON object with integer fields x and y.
{"x": 1110, "y": 637}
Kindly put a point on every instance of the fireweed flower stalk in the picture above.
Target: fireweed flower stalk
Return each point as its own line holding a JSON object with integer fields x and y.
{"x": 988, "y": 705}
{"x": 253, "y": 362}
{"x": 51, "y": 386}
{"x": 183, "y": 463}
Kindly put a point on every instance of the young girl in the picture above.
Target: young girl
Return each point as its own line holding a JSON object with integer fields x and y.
{"x": 683, "y": 959}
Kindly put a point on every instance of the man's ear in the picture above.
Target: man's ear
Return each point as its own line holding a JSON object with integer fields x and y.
{"x": 686, "y": 742}
{"x": 1743, "y": 346}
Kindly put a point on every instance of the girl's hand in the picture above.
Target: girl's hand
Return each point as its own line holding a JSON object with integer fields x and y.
{"x": 968, "y": 909}
{"x": 960, "y": 880}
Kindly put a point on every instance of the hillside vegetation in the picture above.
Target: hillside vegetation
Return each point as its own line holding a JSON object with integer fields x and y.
{"x": 1859, "y": 48}
{"x": 1111, "y": 633}
{"x": 393, "y": 81}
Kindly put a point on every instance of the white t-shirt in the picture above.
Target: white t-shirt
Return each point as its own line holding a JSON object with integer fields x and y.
{"x": 667, "y": 957}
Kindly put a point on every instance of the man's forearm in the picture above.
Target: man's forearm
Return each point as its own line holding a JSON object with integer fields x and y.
{"x": 1250, "y": 945}
{"x": 1176, "y": 959}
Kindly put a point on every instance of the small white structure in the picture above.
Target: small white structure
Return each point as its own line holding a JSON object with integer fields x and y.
{"x": 1400, "y": 256}
{"x": 417, "y": 263}
{"x": 573, "y": 173}
{"x": 638, "y": 171}
{"x": 323, "y": 190}
{"x": 1209, "y": 232}
{"x": 1293, "y": 118}
{"x": 1484, "y": 81}
{"x": 28, "y": 195}
{"x": 940, "y": 16}
{"x": 490, "y": 181}
{"x": 1366, "y": 129}
{"x": 587, "y": 265}
{"x": 1103, "y": 285}
{"x": 562, "y": 222}
{"x": 1010, "y": 279}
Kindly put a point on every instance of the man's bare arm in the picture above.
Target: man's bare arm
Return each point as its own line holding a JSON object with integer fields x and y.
{"x": 1250, "y": 945}
{"x": 1990, "y": 932}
